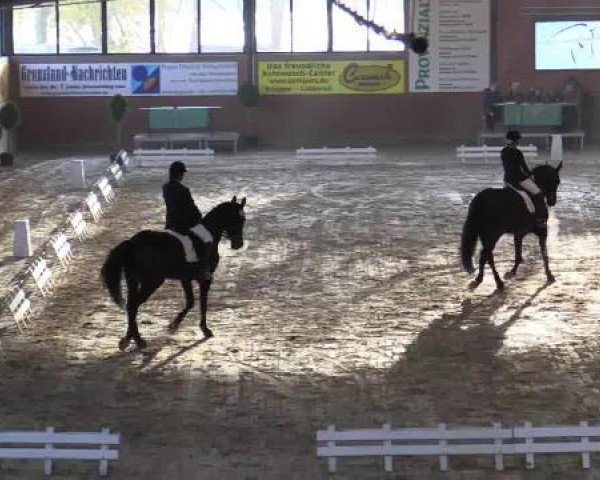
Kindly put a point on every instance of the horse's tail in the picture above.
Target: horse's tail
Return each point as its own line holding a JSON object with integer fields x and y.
{"x": 470, "y": 233}
{"x": 113, "y": 269}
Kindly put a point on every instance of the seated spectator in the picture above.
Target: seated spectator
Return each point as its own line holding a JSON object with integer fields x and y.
{"x": 491, "y": 112}
{"x": 515, "y": 94}
{"x": 534, "y": 95}
{"x": 572, "y": 91}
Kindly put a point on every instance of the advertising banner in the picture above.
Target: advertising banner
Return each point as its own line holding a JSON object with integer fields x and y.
{"x": 148, "y": 79}
{"x": 331, "y": 77}
{"x": 458, "y": 57}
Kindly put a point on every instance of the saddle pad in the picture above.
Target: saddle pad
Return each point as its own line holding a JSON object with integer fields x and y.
{"x": 186, "y": 241}
{"x": 526, "y": 198}
{"x": 188, "y": 246}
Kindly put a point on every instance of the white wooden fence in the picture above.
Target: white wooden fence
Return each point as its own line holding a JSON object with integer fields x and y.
{"x": 79, "y": 225}
{"x": 94, "y": 206}
{"x": 106, "y": 190}
{"x": 20, "y": 308}
{"x": 62, "y": 248}
{"x": 463, "y": 152}
{"x": 442, "y": 442}
{"x": 50, "y": 446}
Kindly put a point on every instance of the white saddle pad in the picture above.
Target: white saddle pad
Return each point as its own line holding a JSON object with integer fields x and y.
{"x": 526, "y": 198}
{"x": 186, "y": 241}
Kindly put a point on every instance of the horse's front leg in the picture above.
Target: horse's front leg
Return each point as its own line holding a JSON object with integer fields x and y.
{"x": 543, "y": 238}
{"x": 518, "y": 256}
{"x": 204, "y": 289}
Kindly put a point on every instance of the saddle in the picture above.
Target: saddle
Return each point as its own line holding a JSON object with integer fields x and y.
{"x": 188, "y": 247}
{"x": 525, "y": 196}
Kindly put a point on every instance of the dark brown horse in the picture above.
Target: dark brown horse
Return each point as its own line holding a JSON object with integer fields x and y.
{"x": 150, "y": 257}
{"x": 496, "y": 211}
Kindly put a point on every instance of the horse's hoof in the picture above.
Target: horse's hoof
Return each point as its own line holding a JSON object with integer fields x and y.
{"x": 172, "y": 328}
{"x": 141, "y": 343}
{"x": 474, "y": 284}
{"x": 207, "y": 333}
{"x": 124, "y": 343}
{"x": 551, "y": 279}
{"x": 500, "y": 286}
{"x": 510, "y": 274}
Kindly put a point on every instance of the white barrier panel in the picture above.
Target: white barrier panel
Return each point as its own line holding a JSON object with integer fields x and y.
{"x": 79, "y": 224}
{"x": 116, "y": 172}
{"x": 76, "y": 174}
{"x": 22, "y": 240}
{"x": 164, "y": 157}
{"x": 106, "y": 190}
{"x": 351, "y": 151}
{"x": 62, "y": 248}
{"x": 556, "y": 150}
{"x": 20, "y": 307}
{"x": 443, "y": 442}
{"x": 50, "y": 446}
{"x": 94, "y": 206}
{"x": 463, "y": 152}
{"x": 42, "y": 275}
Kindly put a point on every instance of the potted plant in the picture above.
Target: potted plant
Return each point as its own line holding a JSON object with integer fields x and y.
{"x": 249, "y": 96}
{"x": 117, "y": 108}
{"x": 10, "y": 117}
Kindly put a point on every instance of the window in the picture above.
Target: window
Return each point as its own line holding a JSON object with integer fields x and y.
{"x": 128, "y": 26}
{"x": 80, "y": 28}
{"x": 176, "y": 26}
{"x": 273, "y": 26}
{"x": 309, "y": 26}
{"x": 348, "y": 35}
{"x": 221, "y": 26}
{"x": 388, "y": 14}
{"x": 34, "y": 29}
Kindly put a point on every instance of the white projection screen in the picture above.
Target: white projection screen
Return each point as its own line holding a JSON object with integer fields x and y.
{"x": 567, "y": 45}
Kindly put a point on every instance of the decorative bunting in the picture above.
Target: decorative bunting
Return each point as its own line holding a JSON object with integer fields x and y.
{"x": 417, "y": 44}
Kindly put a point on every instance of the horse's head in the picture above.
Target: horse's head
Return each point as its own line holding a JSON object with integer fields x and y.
{"x": 546, "y": 177}
{"x": 235, "y": 217}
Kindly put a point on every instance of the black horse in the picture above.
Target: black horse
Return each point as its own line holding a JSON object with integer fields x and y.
{"x": 150, "y": 257}
{"x": 494, "y": 212}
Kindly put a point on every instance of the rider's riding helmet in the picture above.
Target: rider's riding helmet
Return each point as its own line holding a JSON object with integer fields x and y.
{"x": 177, "y": 169}
{"x": 513, "y": 136}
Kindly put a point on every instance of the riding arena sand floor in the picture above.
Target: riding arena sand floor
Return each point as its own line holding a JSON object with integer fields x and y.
{"x": 347, "y": 306}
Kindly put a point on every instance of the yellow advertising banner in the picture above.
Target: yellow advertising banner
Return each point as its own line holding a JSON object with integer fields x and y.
{"x": 331, "y": 77}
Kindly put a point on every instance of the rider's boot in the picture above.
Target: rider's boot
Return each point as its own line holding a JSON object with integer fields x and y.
{"x": 203, "y": 253}
{"x": 541, "y": 211}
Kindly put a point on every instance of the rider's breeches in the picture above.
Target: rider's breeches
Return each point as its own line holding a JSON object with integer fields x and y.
{"x": 530, "y": 186}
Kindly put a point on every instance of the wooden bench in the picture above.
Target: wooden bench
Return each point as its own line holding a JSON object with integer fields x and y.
{"x": 546, "y": 136}
{"x": 50, "y": 446}
{"x": 442, "y": 442}
{"x": 485, "y": 151}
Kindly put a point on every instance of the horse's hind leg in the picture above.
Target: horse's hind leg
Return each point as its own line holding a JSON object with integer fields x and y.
{"x": 189, "y": 304}
{"x": 204, "y": 289}
{"x": 499, "y": 282}
{"x": 479, "y": 278}
{"x": 518, "y": 256}
{"x": 131, "y": 307}
{"x": 143, "y": 293}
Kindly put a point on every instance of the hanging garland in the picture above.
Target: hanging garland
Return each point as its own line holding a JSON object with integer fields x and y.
{"x": 417, "y": 44}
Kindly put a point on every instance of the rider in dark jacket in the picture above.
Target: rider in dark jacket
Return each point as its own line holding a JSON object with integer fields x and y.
{"x": 182, "y": 212}
{"x": 518, "y": 175}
